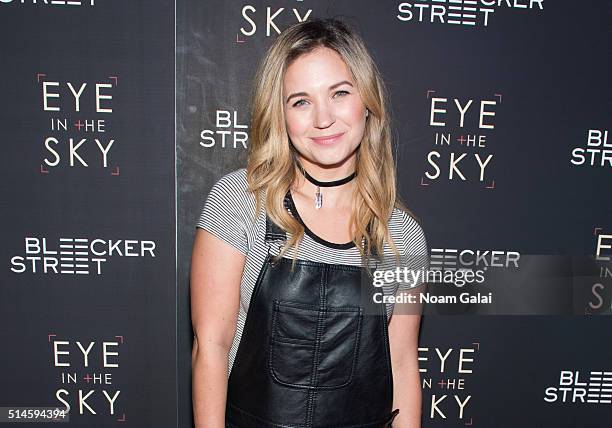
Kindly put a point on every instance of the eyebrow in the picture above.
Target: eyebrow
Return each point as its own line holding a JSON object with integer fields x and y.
{"x": 331, "y": 88}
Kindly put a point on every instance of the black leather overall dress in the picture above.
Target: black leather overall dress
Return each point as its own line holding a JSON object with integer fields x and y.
{"x": 309, "y": 355}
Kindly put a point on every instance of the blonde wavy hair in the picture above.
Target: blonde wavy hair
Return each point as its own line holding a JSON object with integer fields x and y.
{"x": 271, "y": 166}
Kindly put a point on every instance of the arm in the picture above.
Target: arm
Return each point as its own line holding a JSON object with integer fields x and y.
{"x": 404, "y": 330}
{"x": 216, "y": 271}
{"x": 403, "y": 343}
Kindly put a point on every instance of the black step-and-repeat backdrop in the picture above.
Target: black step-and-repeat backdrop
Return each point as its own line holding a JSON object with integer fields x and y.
{"x": 88, "y": 288}
{"x": 501, "y": 112}
{"x": 118, "y": 117}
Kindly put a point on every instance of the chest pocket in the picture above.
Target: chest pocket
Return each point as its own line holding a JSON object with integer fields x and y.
{"x": 314, "y": 347}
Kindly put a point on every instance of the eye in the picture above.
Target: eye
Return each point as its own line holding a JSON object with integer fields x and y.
{"x": 341, "y": 93}
{"x": 299, "y": 103}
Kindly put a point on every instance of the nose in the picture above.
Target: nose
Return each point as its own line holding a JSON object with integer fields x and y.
{"x": 324, "y": 116}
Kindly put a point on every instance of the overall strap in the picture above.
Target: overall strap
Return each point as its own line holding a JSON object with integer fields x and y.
{"x": 273, "y": 231}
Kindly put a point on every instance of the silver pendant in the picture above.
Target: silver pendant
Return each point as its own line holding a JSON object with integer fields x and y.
{"x": 318, "y": 198}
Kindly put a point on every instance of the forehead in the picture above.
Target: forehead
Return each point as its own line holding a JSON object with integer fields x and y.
{"x": 321, "y": 67}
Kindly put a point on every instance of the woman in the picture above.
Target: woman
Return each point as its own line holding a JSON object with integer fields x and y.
{"x": 286, "y": 333}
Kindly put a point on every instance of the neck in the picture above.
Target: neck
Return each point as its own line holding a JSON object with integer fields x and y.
{"x": 328, "y": 172}
{"x": 336, "y": 196}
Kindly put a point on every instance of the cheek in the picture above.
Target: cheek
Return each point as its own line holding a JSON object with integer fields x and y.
{"x": 353, "y": 113}
{"x": 296, "y": 123}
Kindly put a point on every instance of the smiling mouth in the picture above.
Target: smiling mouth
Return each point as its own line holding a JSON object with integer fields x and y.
{"x": 327, "y": 139}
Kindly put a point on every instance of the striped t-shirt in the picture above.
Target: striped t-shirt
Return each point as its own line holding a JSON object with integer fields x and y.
{"x": 228, "y": 214}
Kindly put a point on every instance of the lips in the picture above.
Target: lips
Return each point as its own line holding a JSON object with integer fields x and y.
{"x": 327, "y": 139}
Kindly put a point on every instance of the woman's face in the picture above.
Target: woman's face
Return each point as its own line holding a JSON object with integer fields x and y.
{"x": 324, "y": 113}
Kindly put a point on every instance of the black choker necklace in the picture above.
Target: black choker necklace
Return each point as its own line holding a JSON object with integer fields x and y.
{"x": 319, "y": 184}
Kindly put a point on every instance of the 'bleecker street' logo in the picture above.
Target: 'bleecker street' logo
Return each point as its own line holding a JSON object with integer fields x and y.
{"x": 459, "y": 12}
{"x": 452, "y": 258}
{"x": 228, "y": 132}
{"x": 76, "y": 256}
{"x": 571, "y": 389}
{"x": 598, "y": 151}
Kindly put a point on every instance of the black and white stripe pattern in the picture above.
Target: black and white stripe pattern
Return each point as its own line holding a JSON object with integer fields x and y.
{"x": 228, "y": 214}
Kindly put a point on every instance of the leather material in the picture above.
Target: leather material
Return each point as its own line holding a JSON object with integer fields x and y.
{"x": 311, "y": 355}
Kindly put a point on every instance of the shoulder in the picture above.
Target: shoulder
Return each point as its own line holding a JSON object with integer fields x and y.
{"x": 228, "y": 212}
{"x": 232, "y": 182}
{"x": 232, "y": 189}
{"x": 407, "y": 232}
{"x": 229, "y": 198}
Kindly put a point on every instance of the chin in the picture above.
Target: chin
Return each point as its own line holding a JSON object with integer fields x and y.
{"x": 330, "y": 161}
